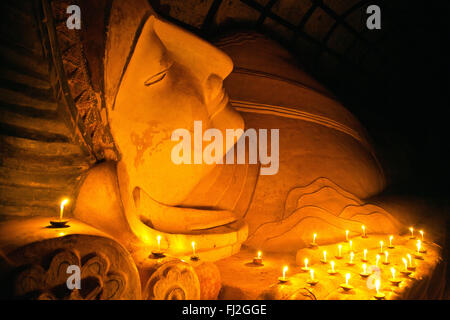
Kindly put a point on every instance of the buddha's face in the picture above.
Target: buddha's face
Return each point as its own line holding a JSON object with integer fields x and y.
{"x": 173, "y": 79}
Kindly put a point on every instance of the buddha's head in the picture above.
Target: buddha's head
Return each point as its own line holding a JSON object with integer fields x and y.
{"x": 159, "y": 78}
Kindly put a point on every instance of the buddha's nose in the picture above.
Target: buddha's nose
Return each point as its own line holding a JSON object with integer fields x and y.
{"x": 214, "y": 93}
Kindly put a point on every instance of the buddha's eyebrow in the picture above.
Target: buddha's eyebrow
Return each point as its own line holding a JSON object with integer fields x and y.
{"x": 165, "y": 61}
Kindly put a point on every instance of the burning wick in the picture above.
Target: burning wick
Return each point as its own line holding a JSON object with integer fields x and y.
{"x": 350, "y": 245}
{"x": 365, "y": 256}
{"x": 390, "y": 242}
{"x": 364, "y": 274}
{"x": 312, "y": 281}
{"x": 379, "y": 294}
{"x": 378, "y": 259}
{"x": 158, "y": 239}
{"x": 346, "y": 286}
{"x": 364, "y": 232}
{"x": 258, "y": 259}
{"x": 339, "y": 256}
{"x": 305, "y": 268}
{"x": 324, "y": 260}
{"x": 63, "y": 203}
{"x": 421, "y": 234}
{"x": 419, "y": 250}
{"x": 412, "y": 232}
{"x": 394, "y": 281}
{"x": 60, "y": 223}
{"x": 386, "y": 258}
{"x": 194, "y": 255}
{"x": 346, "y": 235}
{"x": 332, "y": 271}
{"x": 283, "y": 278}
{"x": 381, "y": 246}
{"x": 313, "y": 243}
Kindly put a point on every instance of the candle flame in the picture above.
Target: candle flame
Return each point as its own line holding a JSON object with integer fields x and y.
{"x": 412, "y": 231}
{"x": 351, "y": 243}
{"x": 381, "y": 246}
{"x": 386, "y": 254}
{"x": 325, "y": 256}
{"x": 346, "y": 234}
{"x": 377, "y": 285}
{"x": 410, "y": 261}
{"x": 347, "y": 277}
{"x": 393, "y": 273}
{"x": 390, "y": 240}
{"x": 421, "y": 234}
{"x": 314, "y": 237}
{"x": 284, "y": 271}
{"x": 365, "y": 254}
{"x": 193, "y": 247}
{"x": 63, "y": 203}
{"x": 351, "y": 256}
{"x": 312, "y": 274}
{"x": 364, "y": 230}
{"x": 364, "y": 268}
{"x": 406, "y": 263}
{"x": 378, "y": 259}
{"x": 259, "y": 254}
{"x": 418, "y": 246}
{"x": 340, "y": 249}
{"x": 332, "y": 266}
{"x": 306, "y": 263}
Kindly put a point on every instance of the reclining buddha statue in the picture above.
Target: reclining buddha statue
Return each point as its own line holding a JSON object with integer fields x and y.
{"x": 158, "y": 78}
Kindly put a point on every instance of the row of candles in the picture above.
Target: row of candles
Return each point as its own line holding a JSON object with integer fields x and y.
{"x": 364, "y": 274}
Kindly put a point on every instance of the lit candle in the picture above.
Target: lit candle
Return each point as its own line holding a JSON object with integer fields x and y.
{"x": 386, "y": 261}
{"x": 158, "y": 253}
{"x": 421, "y": 234}
{"x": 364, "y": 231}
{"x": 324, "y": 260}
{"x": 332, "y": 271}
{"x": 194, "y": 255}
{"x": 305, "y": 268}
{"x": 379, "y": 294}
{"x": 346, "y": 235}
{"x": 346, "y": 286}
{"x": 364, "y": 259}
{"x": 313, "y": 243}
{"x": 378, "y": 259}
{"x": 390, "y": 242}
{"x": 60, "y": 223}
{"x": 339, "y": 256}
{"x": 258, "y": 259}
{"x": 351, "y": 263}
{"x": 412, "y": 232}
{"x": 283, "y": 278}
{"x": 406, "y": 272}
{"x": 394, "y": 281}
{"x": 350, "y": 245}
{"x": 381, "y": 246}
{"x": 420, "y": 249}
{"x": 364, "y": 274}
{"x": 63, "y": 203}
{"x": 410, "y": 267}
{"x": 312, "y": 281}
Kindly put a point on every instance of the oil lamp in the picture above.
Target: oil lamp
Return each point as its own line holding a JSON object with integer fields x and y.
{"x": 406, "y": 271}
{"x": 258, "y": 259}
{"x": 351, "y": 263}
{"x": 386, "y": 255}
{"x": 158, "y": 253}
{"x": 412, "y": 233}
{"x": 345, "y": 285}
{"x": 421, "y": 234}
{"x": 410, "y": 267}
{"x": 379, "y": 295}
{"x": 364, "y": 259}
{"x": 312, "y": 281}
{"x": 194, "y": 256}
{"x": 393, "y": 280}
{"x": 313, "y": 244}
{"x": 305, "y": 268}
{"x": 331, "y": 271}
{"x": 346, "y": 235}
{"x": 350, "y": 246}
{"x": 364, "y": 235}
{"x": 420, "y": 249}
{"x": 284, "y": 279}
{"x": 381, "y": 246}
{"x": 364, "y": 274}
{"x": 391, "y": 246}
{"x": 378, "y": 259}
{"x": 60, "y": 223}
{"x": 339, "y": 256}
{"x": 324, "y": 260}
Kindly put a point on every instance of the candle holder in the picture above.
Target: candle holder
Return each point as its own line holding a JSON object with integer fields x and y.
{"x": 391, "y": 246}
{"x": 418, "y": 256}
{"x": 386, "y": 263}
{"x": 412, "y": 268}
{"x": 423, "y": 250}
{"x": 283, "y": 279}
{"x": 332, "y": 272}
{"x": 257, "y": 261}
{"x": 59, "y": 223}
{"x": 346, "y": 287}
{"x": 158, "y": 254}
{"x": 379, "y": 296}
{"x": 364, "y": 274}
{"x": 304, "y": 269}
{"x": 350, "y": 263}
{"x": 323, "y": 261}
{"x": 364, "y": 260}
{"x": 313, "y": 245}
{"x": 395, "y": 282}
{"x": 195, "y": 257}
{"x": 406, "y": 273}
{"x": 312, "y": 282}
{"x": 338, "y": 257}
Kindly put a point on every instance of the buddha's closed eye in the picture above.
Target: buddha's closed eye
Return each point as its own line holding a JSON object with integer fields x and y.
{"x": 156, "y": 77}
